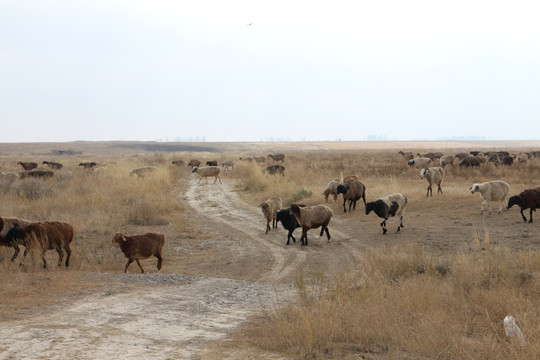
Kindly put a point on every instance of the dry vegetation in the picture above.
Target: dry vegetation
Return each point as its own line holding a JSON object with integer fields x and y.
{"x": 401, "y": 301}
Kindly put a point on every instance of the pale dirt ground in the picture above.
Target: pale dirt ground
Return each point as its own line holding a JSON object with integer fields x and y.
{"x": 213, "y": 280}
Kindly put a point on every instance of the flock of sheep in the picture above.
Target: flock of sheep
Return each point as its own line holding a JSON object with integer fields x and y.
{"x": 55, "y": 235}
{"x": 352, "y": 190}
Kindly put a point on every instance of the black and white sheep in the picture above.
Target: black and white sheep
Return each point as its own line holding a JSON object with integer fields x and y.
{"x": 388, "y": 206}
{"x": 312, "y": 217}
{"x": 269, "y": 208}
{"x": 138, "y": 247}
{"x": 288, "y": 221}
{"x": 527, "y": 199}
{"x": 353, "y": 192}
{"x": 495, "y": 190}
{"x": 433, "y": 175}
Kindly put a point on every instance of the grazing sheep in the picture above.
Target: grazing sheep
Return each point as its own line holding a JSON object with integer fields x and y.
{"x": 275, "y": 169}
{"x": 38, "y": 174}
{"x": 349, "y": 178}
{"x": 388, "y": 206}
{"x": 211, "y": 163}
{"x": 277, "y": 157}
{"x": 289, "y": 222}
{"x": 9, "y": 176}
{"x": 473, "y": 161}
{"x": 178, "y": 162}
{"x": 474, "y": 153}
{"x": 43, "y": 236}
{"x": 142, "y": 171}
{"x": 228, "y": 164}
{"x": 139, "y": 247}
{"x": 99, "y": 169}
{"x": 438, "y": 154}
{"x": 433, "y": 175}
{"x": 447, "y": 160}
{"x": 495, "y": 190}
{"x": 331, "y": 189}
{"x": 259, "y": 159}
{"x": 52, "y": 165}
{"x": 8, "y": 223}
{"x": 311, "y": 218}
{"x": 407, "y": 155}
{"x": 88, "y": 165}
{"x": 462, "y": 156}
{"x": 429, "y": 155}
{"x": 521, "y": 158}
{"x": 419, "y": 162}
{"x": 269, "y": 208}
{"x": 352, "y": 191}
{"x": 28, "y": 165}
{"x": 206, "y": 172}
{"x": 527, "y": 199}
{"x": 194, "y": 163}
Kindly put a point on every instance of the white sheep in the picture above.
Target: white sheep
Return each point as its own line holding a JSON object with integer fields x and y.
{"x": 495, "y": 190}
{"x": 9, "y": 176}
{"x": 269, "y": 209}
{"x": 388, "y": 206}
{"x": 433, "y": 175}
{"x": 206, "y": 172}
{"x": 311, "y": 218}
{"x": 419, "y": 162}
{"x": 447, "y": 160}
{"x": 331, "y": 189}
{"x": 142, "y": 171}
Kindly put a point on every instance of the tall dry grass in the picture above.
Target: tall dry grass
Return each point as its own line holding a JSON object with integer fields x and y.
{"x": 403, "y": 303}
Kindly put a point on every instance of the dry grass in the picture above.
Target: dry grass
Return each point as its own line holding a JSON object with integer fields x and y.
{"x": 401, "y": 302}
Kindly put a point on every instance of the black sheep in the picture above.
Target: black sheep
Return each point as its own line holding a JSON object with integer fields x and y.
{"x": 527, "y": 199}
{"x": 289, "y": 222}
{"x": 471, "y": 161}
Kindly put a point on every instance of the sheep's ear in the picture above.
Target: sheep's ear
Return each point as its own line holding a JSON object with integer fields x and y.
{"x": 124, "y": 238}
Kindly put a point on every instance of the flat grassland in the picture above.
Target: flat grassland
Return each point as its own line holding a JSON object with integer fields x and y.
{"x": 439, "y": 289}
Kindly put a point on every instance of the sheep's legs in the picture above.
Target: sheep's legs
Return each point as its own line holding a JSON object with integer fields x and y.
{"x": 289, "y": 236}
{"x": 16, "y": 253}
{"x": 267, "y": 226}
{"x": 383, "y": 224}
{"x": 303, "y": 239}
{"x": 523, "y": 216}
{"x": 138, "y": 263}
{"x": 325, "y": 228}
{"x": 60, "y": 254}
{"x": 24, "y": 256}
{"x": 129, "y": 262}
{"x": 428, "y": 190}
{"x": 68, "y": 252}
{"x": 439, "y": 189}
{"x": 344, "y": 209}
{"x": 159, "y": 261}
{"x": 530, "y": 218}
{"x": 43, "y": 258}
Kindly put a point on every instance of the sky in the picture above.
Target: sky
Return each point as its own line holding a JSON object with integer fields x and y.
{"x": 174, "y": 70}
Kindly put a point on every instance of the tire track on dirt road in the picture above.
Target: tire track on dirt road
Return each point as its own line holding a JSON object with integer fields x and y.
{"x": 220, "y": 204}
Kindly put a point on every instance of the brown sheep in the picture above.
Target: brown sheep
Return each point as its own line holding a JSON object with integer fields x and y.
{"x": 43, "y": 174}
{"x": 28, "y": 165}
{"x": 88, "y": 165}
{"x": 138, "y": 247}
{"x": 269, "y": 209}
{"x": 277, "y": 157}
{"x": 275, "y": 169}
{"x": 353, "y": 192}
{"x": 178, "y": 162}
{"x": 45, "y": 236}
{"x": 312, "y": 217}
{"x": 349, "y": 178}
{"x": 194, "y": 163}
{"x": 52, "y": 165}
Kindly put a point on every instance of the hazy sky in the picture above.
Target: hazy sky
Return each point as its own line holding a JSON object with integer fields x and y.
{"x": 254, "y": 70}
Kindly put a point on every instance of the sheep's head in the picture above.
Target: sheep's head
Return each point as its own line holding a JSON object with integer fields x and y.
{"x": 514, "y": 200}
{"x": 118, "y": 238}
{"x": 424, "y": 173}
{"x": 295, "y": 209}
{"x": 474, "y": 188}
{"x": 194, "y": 169}
{"x": 370, "y": 206}
{"x": 410, "y": 162}
{"x": 341, "y": 189}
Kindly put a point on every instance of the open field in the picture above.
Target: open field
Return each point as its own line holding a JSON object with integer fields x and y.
{"x": 437, "y": 290}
